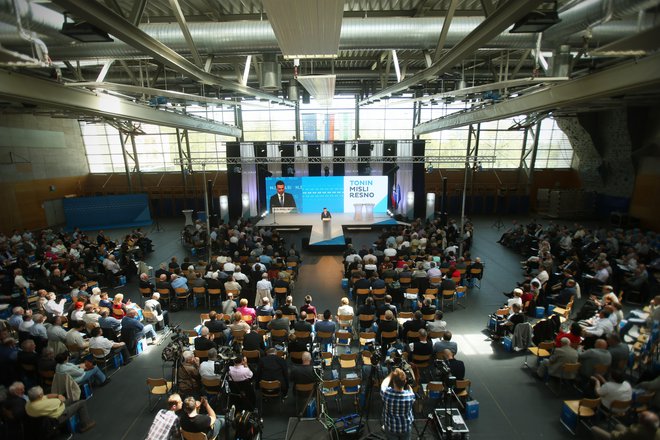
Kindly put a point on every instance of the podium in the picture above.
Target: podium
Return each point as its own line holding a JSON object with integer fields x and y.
{"x": 188, "y": 214}
{"x": 327, "y": 228}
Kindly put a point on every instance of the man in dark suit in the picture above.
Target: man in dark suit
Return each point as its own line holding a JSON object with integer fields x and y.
{"x": 254, "y": 341}
{"x": 304, "y": 373}
{"x": 325, "y": 214}
{"x": 273, "y": 367}
{"x": 281, "y": 199}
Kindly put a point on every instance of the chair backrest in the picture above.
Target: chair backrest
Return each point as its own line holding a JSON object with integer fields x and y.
{"x": 270, "y": 388}
{"x": 436, "y": 335}
{"x": 202, "y": 354}
{"x": 620, "y": 406}
{"x": 193, "y": 435}
{"x": 324, "y": 335}
{"x": 145, "y": 292}
{"x": 570, "y": 368}
{"x": 412, "y": 335}
{"x": 405, "y": 315}
{"x": 435, "y": 280}
{"x": 264, "y": 318}
{"x": 362, "y": 291}
{"x": 348, "y": 360}
{"x": 291, "y": 318}
{"x": 296, "y": 357}
{"x": 212, "y": 386}
{"x": 213, "y": 291}
{"x": 280, "y": 290}
{"x": 547, "y": 345}
{"x": 421, "y": 360}
{"x": 199, "y": 290}
{"x": 434, "y": 387}
{"x": 389, "y": 335}
{"x": 97, "y": 353}
{"x": 448, "y": 294}
{"x": 590, "y": 403}
{"x": 366, "y": 357}
{"x": 365, "y": 318}
{"x": 238, "y": 335}
{"x": 330, "y": 386}
{"x": 601, "y": 369}
{"x": 203, "y": 317}
{"x": 429, "y": 317}
{"x": 342, "y": 334}
{"x": 351, "y": 386}
{"x": 154, "y": 383}
{"x": 405, "y": 280}
{"x": 304, "y": 387}
{"x": 475, "y": 271}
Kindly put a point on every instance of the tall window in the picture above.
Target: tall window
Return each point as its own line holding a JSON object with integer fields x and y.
{"x": 157, "y": 148}
{"x": 328, "y": 123}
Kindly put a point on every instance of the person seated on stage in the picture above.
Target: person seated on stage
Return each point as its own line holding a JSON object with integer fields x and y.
{"x": 247, "y": 311}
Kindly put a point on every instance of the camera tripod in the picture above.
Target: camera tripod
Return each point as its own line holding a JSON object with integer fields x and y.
{"x": 321, "y": 415}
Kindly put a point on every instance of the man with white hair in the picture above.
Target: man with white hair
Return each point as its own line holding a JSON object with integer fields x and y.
{"x": 111, "y": 265}
{"x": 551, "y": 366}
{"x": 16, "y": 400}
{"x": 38, "y": 330}
{"x": 53, "y": 406}
{"x": 264, "y": 289}
{"x": 153, "y": 305}
{"x": 240, "y": 276}
{"x": 229, "y": 267}
{"x": 16, "y": 318}
{"x": 131, "y": 326}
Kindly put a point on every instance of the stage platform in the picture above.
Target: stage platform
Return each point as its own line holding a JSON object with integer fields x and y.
{"x": 326, "y": 234}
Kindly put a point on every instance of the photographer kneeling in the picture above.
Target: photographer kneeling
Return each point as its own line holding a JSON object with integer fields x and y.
{"x": 398, "y": 399}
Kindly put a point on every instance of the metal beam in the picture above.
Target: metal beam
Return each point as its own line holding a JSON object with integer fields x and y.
{"x": 493, "y": 26}
{"x": 129, "y": 72}
{"x": 105, "y": 19}
{"x": 135, "y": 15}
{"x": 488, "y": 7}
{"x": 186, "y": 97}
{"x": 336, "y": 159}
{"x": 617, "y": 80}
{"x": 76, "y": 71}
{"x": 445, "y": 29}
{"x": 181, "y": 19}
{"x": 51, "y": 94}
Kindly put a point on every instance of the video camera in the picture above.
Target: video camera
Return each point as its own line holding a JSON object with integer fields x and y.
{"x": 172, "y": 352}
{"x": 226, "y": 357}
{"x": 442, "y": 372}
{"x": 396, "y": 360}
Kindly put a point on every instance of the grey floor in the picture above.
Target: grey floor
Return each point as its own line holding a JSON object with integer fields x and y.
{"x": 513, "y": 403}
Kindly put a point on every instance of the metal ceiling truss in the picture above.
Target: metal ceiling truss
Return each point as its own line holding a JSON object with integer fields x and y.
{"x": 617, "y": 80}
{"x": 189, "y": 161}
{"x": 109, "y": 21}
{"x": 494, "y": 25}
{"x": 22, "y": 88}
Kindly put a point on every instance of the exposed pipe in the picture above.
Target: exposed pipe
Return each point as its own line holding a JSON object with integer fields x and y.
{"x": 591, "y": 12}
{"x": 40, "y": 46}
{"x": 398, "y": 33}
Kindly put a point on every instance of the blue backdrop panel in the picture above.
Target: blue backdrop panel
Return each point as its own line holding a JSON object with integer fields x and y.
{"x": 105, "y": 212}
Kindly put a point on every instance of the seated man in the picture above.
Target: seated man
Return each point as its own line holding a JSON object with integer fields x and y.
{"x": 594, "y": 356}
{"x": 205, "y": 340}
{"x": 79, "y": 373}
{"x": 240, "y": 370}
{"x": 273, "y": 367}
{"x": 53, "y": 406}
{"x": 456, "y": 367}
{"x": 132, "y": 330}
{"x": 445, "y": 344}
{"x": 265, "y": 309}
{"x": 565, "y": 354}
{"x": 207, "y": 368}
{"x": 98, "y": 341}
{"x": 615, "y": 389}
{"x": 193, "y": 421}
{"x": 153, "y": 306}
{"x": 304, "y": 373}
{"x": 217, "y": 326}
{"x": 188, "y": 375}
{"x": 438, "y": 324}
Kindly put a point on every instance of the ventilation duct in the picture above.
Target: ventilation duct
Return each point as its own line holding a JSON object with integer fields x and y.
{"x": 271, "y": 73}
{"x": 293, "y": 91}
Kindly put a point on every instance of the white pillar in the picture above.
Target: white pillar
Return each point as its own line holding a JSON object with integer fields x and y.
{"x": 430, "y": 205}
{"x": 410, "y": 205}
{"x": 224, "y": 209}
{"x": 245, "y": 203}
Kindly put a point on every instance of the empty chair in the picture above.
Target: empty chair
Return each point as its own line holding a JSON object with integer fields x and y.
{"x": 157, "y": 387}
{"x": 582, "y": 409}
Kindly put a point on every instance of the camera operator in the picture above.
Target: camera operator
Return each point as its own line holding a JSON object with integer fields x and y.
{"x": 207, "y": 368}
{"x": 398, "y": 402}
{"x": 207, "y": 423}
{"x": 188, "y": 378}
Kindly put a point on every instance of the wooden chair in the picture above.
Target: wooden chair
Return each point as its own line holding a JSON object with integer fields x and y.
{"x": 101, "y": 358}
{"x": 303, "y": 336}
{"x": 461, "y": 293}
{"x": 434, "y": 390}
{"x": 431, "y": 293}
{"x": 366, "y": 337}
{"x": 462, "y": 389}
{"x": 157, "y": 387}
{"x": 270, "y": 389}
{"x": 296, "y": 357}
{"x": 263, "y": 320}
{"x": 448, "y": 295}
{"x": 412, "y": 336}
{"x": 405, "y": 315}
{"x": 203, "y": 355}
{"x": 164, "y": 295}
{"x": 436, "y": 335}
{"x": 365, "y": 318}
{"x": 303, "y": 391}
{"x": 405, "y": 282}
{"x": 618, "y": 408}
{"x": 568, "y": 372}
{"x": 361, "y": 295}
{"x": 192, "y": 334}
{"x": 543, "y": 350}
{"x": 203, "y": 317}
{"x": 200, "y": 291}
{"x": 583, "y": 409}
{"x": 145, "y": 293}
{"x": 365, "y": 355}
{"x": 182, "y": 294}
{"x": 351, "y": 387}
{"x": 327, "y": 358}
{"x": 212, "y": 387}
{"x": 214, "y": 294}
{"x": 235, "y": 292}
{"x": 435, "y": 281}
{"x": 388, "y": 337}
{"x": 379, "y": 294}
{"x": 348, "y": 361}
{"x": 331, "y": 388}
{"x": 194, "y": 435}
{"x": 252, "y": 356}
{"x": 291, "y": 318}
{"x": 279, "y": 336}
{"x": 475, "y": 278}
{"x": 343, "y": 338}
{"x": 238, "y": 335}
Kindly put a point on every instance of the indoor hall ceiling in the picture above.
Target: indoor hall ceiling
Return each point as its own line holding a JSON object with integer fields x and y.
{"x": 375, "y": 35}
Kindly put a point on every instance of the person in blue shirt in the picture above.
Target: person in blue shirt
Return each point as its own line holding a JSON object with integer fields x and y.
{"x": 132, "y": 326}
{"x": 178, "y": 281}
